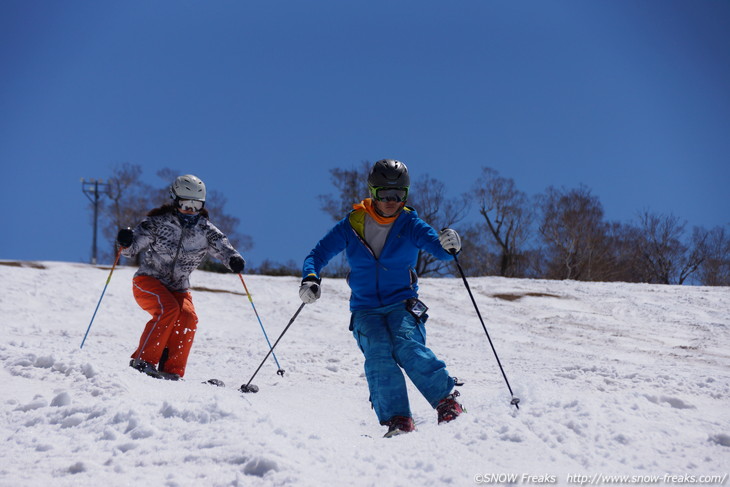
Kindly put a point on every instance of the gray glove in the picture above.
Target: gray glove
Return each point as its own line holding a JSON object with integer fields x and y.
{"x": 450, "y": 240}
{"x": 310, "y": 290}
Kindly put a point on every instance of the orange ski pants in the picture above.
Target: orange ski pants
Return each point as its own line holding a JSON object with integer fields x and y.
{"x": 172, "y": 326}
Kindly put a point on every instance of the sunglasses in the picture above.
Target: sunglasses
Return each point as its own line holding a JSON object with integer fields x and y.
{"x": 190, "y": 205}
{"x": 389, "y": 194}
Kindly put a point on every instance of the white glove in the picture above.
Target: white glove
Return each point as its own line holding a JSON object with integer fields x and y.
{"x": 450, "y": 240}
{"x": 310, "y": 290}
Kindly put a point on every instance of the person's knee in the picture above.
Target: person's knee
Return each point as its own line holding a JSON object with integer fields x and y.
{"x": 170, "y": 312}
{"x": 188, "y": 320}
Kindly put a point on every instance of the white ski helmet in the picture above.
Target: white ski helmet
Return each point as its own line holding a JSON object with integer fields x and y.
{"x": 188, "y": 187}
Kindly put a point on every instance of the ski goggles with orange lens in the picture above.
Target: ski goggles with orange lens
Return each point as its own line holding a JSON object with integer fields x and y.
{"x": 190, "y": 205}
{"x": 389, "y": 194}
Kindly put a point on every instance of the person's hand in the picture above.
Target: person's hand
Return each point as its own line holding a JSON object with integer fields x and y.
{"x": 125, "y": 237}
{"x": 236, "y": 263}
{"x": 310, "y": 289}
{"x": 450, "y": 240}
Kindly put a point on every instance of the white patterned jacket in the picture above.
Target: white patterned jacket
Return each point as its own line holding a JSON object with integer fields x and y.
{"x": 175, "y": 249}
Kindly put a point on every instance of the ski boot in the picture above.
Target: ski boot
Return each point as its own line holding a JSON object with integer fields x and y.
{"x": 448, "y": 409}
{"x": 398, "y": 425}
{"x": 145, "y": 367}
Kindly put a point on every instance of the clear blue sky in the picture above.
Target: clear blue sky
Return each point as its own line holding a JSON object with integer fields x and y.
{"x": 261, "y": 99}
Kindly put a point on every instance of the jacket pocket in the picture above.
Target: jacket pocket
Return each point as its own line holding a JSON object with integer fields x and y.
{"x": 413, "y": 277}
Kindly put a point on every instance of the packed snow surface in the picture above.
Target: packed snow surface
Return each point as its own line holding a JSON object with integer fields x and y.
{"x": 614, "y": 379}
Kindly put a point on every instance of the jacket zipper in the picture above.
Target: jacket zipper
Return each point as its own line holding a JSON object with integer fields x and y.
{"x": 377, "y": 264}
{"x": 177, "y": 254}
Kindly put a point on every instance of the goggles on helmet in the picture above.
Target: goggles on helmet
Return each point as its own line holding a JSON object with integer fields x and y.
{"x": 389, "y": 194}
{"x": 190, "y": 205}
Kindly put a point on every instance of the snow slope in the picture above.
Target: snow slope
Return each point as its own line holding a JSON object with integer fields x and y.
{"x": 614, "y": 379}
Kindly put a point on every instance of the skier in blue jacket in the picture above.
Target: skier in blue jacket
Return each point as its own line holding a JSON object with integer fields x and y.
{"x": 382, "y": 237}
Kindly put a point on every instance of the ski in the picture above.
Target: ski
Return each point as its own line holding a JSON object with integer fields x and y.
{"x": 168, "y": 376}
{"x": 150, "y": 370}
{"x": 249, "y": 388}
{"x": 161, "y": 375}
{"x": 395, "y": 432}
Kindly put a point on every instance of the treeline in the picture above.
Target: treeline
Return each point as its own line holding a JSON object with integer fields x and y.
{"x": 558, "y": 234}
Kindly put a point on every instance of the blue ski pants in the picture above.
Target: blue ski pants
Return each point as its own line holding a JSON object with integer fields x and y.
{"x": 392, "y": 339}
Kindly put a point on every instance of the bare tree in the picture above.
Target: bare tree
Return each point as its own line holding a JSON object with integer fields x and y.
{"x": 216, "y": 204}
{"x": 507, "y": 216}
{"x": 715, "y": 269}
{"x": 665, "y": 257}
{"x": 696, "y": 255}
{"x": 475, "y": 257}
{"x": 129, "y": 200}
{"x": 622, "y": 261}
{"x": 575, "y": 233}
{"x": 351, "y": 186}
{"x": 428, "y": 196}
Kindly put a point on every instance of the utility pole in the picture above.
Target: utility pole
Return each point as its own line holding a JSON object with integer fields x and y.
{"x": 91, "y": 189}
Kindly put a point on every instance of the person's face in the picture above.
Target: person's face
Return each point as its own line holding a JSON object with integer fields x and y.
{"x": 189, "y": 207}
{"x": 388, "y": 208}
{"x": 388, "y": 201}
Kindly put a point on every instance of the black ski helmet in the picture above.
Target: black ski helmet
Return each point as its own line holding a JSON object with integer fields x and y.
{"x": 389, "y": 173}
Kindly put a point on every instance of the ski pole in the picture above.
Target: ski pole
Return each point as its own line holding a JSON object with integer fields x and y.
{"x": 119, "y": 253}
{"x": 250, "y": 299}
{"x": 515, "y": 401}
{"x": 248, "y": 387}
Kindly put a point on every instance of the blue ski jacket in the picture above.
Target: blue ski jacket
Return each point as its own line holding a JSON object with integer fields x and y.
{"x": 382, "y": 281}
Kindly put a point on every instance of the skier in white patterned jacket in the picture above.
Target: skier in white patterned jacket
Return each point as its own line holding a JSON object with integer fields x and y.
{"x": 176, "y": 238}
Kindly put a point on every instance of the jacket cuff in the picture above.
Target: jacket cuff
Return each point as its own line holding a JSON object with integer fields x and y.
{"x": 312, "y": 278}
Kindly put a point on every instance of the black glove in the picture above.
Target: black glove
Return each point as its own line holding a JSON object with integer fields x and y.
{"x": 236, "y": 264}
{"x": 125, "y": 237}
